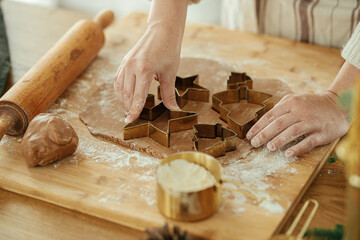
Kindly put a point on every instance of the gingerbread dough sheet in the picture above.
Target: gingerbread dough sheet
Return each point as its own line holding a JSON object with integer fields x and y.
{"x": 104, "y": 116}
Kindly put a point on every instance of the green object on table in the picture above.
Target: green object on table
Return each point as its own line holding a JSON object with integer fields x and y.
{"x": 332, "y": 159}
{"x": 4, "y": 55}
{"x": 325, "y": 234}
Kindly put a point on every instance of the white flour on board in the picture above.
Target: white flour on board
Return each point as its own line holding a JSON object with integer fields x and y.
{"x": 10, "y": 143}
{"x": 252, "y": 173}
{"x": 262, "y": 164}
{"x": 255, "y": 172}
{"x": 272, "y": 206}
{"x": 114, "y": 156}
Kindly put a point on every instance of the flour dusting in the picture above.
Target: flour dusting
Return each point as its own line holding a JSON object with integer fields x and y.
{"x": 141, "y": 166}
{"x": 115, "y": 156}
{"x": 271, "y": 206}
{"x": 253, "y": 176}
{"x": 262, "y": 164}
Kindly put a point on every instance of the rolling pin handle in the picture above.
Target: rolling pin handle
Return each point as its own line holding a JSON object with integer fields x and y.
{"x": 6, "y": 122}
{"x": 104, "y": 18}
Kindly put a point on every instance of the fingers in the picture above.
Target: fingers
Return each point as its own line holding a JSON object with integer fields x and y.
{"x": 311, "y": 115}
{"x": 290, "y": 134}
{"x": 142, "y": 86}
{"x": 131, "y": 91}
{"x": 273, "y": 129}
{"x": 119, "y": 84}
{"x": 286, "y": 97}
{"x": 128, "y": 91}
{"x": 313, "y": 140}
{"x": 270, "y": 116}
{"x": 135, "y": 90}
{"x": 167, "y": 89}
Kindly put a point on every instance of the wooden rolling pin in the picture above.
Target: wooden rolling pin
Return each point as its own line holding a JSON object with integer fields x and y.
{"x": 38, "y": 89}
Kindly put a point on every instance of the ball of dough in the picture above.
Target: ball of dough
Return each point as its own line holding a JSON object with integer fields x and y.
{"x": 48, "y": 138}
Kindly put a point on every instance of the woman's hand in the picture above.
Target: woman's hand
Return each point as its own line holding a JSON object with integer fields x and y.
{"x": 316, "y": 116}
{"x": 155, "y": 56}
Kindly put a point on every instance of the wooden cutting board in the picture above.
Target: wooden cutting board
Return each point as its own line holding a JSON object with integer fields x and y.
{"x": 111, "y": 182}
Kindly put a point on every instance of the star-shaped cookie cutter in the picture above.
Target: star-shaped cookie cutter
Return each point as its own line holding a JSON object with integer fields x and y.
{"x": 238, "y": 79}
{"x": 142, "y": 127}
{"x": 234, "y": 96}
{"x": 228, "y": 139}
{"x": 186, "y": 89}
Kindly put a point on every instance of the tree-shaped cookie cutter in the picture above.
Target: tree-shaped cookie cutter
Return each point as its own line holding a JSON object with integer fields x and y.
{"x": 238, "y": 79}
{"x": 238, "y": 90}
{"x": 143, "y": 127}
{"x": 186, "y": 89}
{"x": 228, "y": 139}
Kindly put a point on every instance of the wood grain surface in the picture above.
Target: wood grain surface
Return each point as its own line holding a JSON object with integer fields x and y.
{"x": 40, "y": 220}
{"x": 26, "y": 218}
{"x": 329, "y": 190}
{"x": 312, "y": 75}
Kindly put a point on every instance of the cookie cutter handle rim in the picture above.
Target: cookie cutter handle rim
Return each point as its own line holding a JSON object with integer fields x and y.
{"x": 295, "y": 223}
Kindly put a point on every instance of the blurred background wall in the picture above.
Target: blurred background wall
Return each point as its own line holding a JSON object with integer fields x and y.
{"x": 207, "y": 11}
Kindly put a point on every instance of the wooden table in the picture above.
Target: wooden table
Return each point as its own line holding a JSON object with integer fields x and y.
{"x": 26, "y": 218}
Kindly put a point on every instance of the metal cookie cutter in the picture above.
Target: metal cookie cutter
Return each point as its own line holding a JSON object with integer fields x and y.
{"x": 186, "y": 89}
{"x": 143, "y": 126}
{"x": 199, "y": 204}
{"x": 228, "y": 139}
{"x": 234, "y": 96}
{"x": 238, "y": 79}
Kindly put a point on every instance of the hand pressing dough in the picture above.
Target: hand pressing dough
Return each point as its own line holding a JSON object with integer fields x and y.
{"x": 48, "y": 138}
{"x": 183, "y": 176}
{"x": 104, "y": 116}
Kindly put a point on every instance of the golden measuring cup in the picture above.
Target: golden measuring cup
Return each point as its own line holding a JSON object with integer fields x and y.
{"x": 191, "y": 206}
{"x": 197, "y": 205}
{"x": 201, "y": 204}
